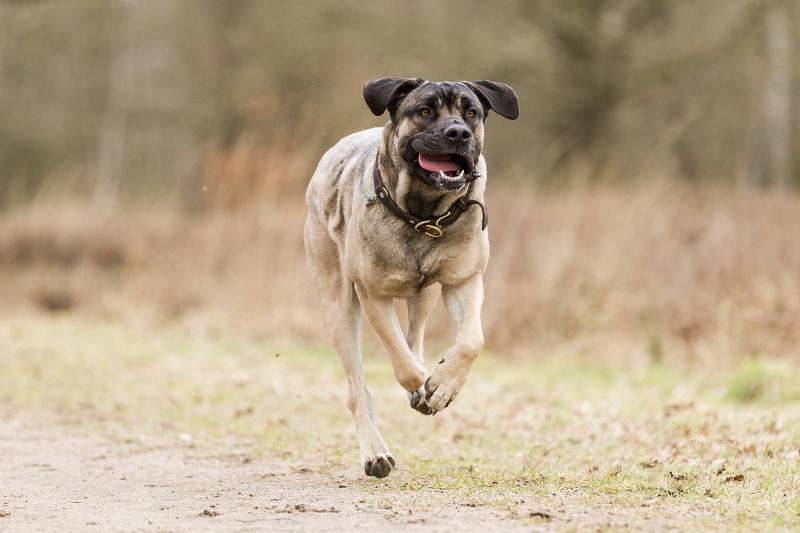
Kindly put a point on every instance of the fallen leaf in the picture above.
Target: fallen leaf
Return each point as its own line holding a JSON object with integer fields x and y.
{"x": 750, "y": 448}
{"x": 737, "y": 477}
{"x": 669, "y": 410}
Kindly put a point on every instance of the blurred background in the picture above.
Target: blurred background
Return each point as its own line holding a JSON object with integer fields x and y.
{"x": 644, "y": 208}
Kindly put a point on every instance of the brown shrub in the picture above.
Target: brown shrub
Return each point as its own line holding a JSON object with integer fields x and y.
{"x": 690, "y": 276}
{"x": 55, "y": 300}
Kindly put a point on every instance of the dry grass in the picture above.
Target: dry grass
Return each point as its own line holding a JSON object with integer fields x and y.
{"x": 693, "y": 277}
{"x": 562, "y": 442}
{"x": 685, "y": 275}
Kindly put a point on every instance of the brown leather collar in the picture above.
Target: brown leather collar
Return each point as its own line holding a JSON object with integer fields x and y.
{"x": 431, "y": 225}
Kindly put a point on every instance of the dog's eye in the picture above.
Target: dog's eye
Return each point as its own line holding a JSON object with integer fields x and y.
{"x": 424, "y": 112}
{"x": 471, "y": 113}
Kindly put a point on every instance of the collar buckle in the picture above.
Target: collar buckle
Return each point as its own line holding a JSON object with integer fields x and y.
{"x": 428, "y": 228}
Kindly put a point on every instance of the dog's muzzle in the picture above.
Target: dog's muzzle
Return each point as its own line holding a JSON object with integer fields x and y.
{"x": 449, "y": 169}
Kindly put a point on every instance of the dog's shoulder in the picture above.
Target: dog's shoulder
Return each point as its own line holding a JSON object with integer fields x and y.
{"x": 338, "y": 174}
{"x": 344, "y": 155}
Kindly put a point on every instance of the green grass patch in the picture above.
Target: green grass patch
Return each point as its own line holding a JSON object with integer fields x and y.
{"x": 760, "y": 380}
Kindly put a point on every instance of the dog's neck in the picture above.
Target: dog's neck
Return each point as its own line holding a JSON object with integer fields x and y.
{"x": 410, "y": 193}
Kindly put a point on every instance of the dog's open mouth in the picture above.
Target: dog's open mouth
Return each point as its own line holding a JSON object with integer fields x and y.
{"x": 445, "y": 170}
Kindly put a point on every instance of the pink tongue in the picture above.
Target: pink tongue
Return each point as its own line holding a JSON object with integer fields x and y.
{"x": 435, "y": 163}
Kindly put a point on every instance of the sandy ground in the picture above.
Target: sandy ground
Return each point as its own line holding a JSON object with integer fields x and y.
{"x": 59, "y": 480}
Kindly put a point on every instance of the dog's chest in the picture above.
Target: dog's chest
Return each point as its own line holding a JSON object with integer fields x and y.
{"x": 402, "y": 270}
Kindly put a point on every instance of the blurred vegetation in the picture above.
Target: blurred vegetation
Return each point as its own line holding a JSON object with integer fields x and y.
{"x": 149, "y": 100}
{"x": 762, "y": 380}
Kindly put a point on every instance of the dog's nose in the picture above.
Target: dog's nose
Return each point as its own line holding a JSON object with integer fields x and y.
{"x": 458, "y": 131}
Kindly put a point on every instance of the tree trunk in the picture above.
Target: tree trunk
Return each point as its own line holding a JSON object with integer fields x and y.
{"x": 113, "y": 135}
{"x": 774, "y": 162}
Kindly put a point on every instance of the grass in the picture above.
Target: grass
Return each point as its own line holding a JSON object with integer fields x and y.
{"x": 760, "y": 380}
{"x": 550, "y": 437}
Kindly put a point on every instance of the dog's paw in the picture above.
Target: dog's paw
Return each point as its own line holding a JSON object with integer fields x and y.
{"x": 417, "y": 401}
{"x": 443, "y": 386}
{"x": 379, "y": 466}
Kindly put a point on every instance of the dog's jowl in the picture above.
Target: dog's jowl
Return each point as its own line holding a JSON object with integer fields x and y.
{"x": 398, "y": 212}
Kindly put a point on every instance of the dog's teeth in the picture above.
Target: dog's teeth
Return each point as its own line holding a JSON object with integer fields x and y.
{"x": 461, "y": 175}
{"x": 442, "y": 175}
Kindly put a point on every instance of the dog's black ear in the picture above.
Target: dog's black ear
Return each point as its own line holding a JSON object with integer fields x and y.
{"x": 498, "y": 97}
{"x": 383, "y": 93}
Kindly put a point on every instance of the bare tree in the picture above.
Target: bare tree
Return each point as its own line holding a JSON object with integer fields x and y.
{"x": 774, "y": 160}
{"x": 146, "y": 130}
{"x": 113, "y": 134}
{"x": 599, "y": 65}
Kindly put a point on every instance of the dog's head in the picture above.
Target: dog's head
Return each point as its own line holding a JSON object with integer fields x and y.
{"x": 439, "y": 125}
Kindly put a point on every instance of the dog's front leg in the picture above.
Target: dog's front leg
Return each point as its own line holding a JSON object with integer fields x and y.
{"x": 463, "y": 303}
{"x": 409, "y": 371}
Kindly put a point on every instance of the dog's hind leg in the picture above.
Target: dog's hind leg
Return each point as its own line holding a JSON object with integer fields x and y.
{"x": 419, "y": 309}
{"x": 342, "y": 312}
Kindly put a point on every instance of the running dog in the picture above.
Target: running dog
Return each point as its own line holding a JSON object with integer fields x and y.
{"x": 397, "y": 212}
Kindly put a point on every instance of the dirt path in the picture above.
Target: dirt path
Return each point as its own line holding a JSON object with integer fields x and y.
{"x": 54, "y": 481}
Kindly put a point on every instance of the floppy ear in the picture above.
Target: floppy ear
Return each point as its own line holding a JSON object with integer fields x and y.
{"x": 381, "y": 94}
{"x": 498, "y": 97}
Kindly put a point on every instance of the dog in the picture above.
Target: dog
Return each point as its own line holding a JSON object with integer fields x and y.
{"x": 397, "y": 212}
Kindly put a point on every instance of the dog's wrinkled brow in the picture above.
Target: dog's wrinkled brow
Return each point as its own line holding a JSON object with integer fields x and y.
{"x": 445, "y": 96}
{"x": 431, "y": 101}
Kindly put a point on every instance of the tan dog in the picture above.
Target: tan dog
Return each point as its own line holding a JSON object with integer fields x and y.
{"x": 392, "y": 213}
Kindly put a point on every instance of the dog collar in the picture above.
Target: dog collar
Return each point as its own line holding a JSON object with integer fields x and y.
{"x": 432, "y": 225}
